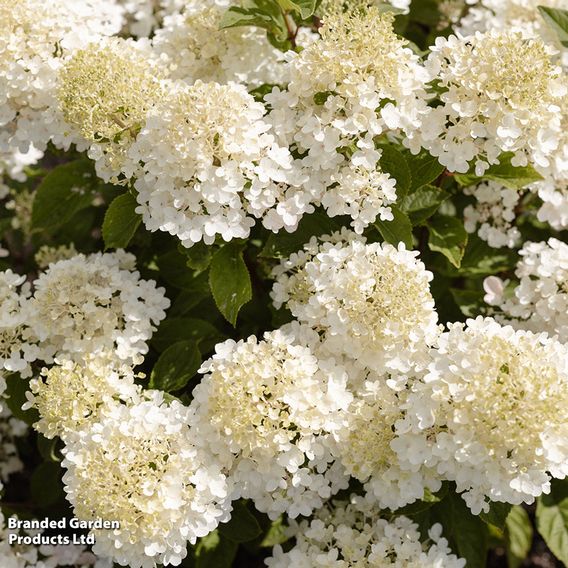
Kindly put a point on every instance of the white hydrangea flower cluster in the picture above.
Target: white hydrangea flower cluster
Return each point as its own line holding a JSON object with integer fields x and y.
{"x": 553, "y": 190}
{"x": 191, "y": 46}
{"x": 17, "y": 343}
{"x": 175, "y": 494}
{"x": 94, "y": 303}
{"x": 485, "y": 379}
{"x": 353, "y": 534}
{"x": 70, "y": 394}
{"x": 493, "y": 215}
{"x": 372, "y": 307}
{"x": 356, "y": 83}
{"x": 80, "y": 306}
{"x": 268, "y": 408}
{"x": 539, "y": 302}
{"x": 104, "y": 92}
{"x": 366, "y": 441}
{"x": 208, "y": 163}
{"x": 372, "y": 301}
{"x": 516, "y": 15}
{"x": 34, "y": 40}
{"x": 499, "y": 93}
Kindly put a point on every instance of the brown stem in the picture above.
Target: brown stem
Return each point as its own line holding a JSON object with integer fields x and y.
{"x": 291, "y": 27}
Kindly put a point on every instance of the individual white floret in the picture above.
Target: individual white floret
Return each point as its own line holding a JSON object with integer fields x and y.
{"x": 499, "y": 93}
{"x": 268, "y": 408}
{"x": 493, "y": 215}
{"x": 13, "y": 162}
{"x": 89, "y": 304}
{"x": 372, "y": 301}
{"x": 138, "y": 465}
{"x": 484, "y": 382}
{"x": 346, "y": 534}
{"x": 539, "y": 302}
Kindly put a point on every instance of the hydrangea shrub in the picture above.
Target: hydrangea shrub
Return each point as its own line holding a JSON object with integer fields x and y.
{"x": 284, "y": 283}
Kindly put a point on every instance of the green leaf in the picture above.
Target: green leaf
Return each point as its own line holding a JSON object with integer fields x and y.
{"x": 198, "y": 256}
{"x": 427, "y": 12}
{"x": 176, "y": 366}
{"x": 394, "y": 163}
{"x": 558, "y": 21}
{"x": 424, "y": 169}
{"x": 215, "y": 551}
{"x": 552, "y": 519}
{"x": 428, "y": 500}
{"x": 48, "y": 449}
{"x": 466, "y": 533}
{"x": 265, "y": 14}
{"x": 172, "y": 330}
{"x": 276, "y": 534}
{"x": 422, "y": 203}
{"x": 16, "y": 389}
{"x": 45, "y": 484}
{"x": 482, "y": 260}
{"x": 305, "y": 8}
{"x": 469, "y": 301}
{"x": 448, "y": 236}
{"x": 283, "y": 244}
{"x": 243, "y": 525}
{"x": 513, "y": 177}
{"x": 497, "y": 514}
{"x": 518, "y": 536}
{"x": 187, "y": 300}
{"x": 236, "y": 16}
{"x": 398, "y": 230}
{"x": 173, "y": 268}
{"x": 64, "y": 191}
{"x": 120, "y": 222}
{"x": 229, "y": 279}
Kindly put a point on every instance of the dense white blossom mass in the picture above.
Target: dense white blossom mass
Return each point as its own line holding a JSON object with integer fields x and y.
{"x": 173, "y": 495}
{"x": 372, "y": 301}
{"x": 539, "y": 300}
{"x": 269, "y": 410}
{"x": 351, "y": 534}
{"x": 211, "y": 129}
{"x": 499, "y": 93}
{"x": 483, "y": 382}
